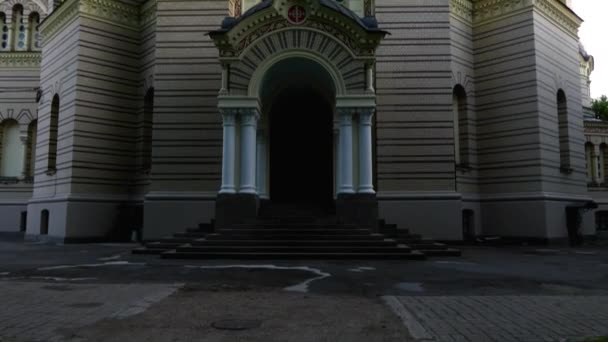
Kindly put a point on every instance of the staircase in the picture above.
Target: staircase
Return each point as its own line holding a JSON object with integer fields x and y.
{"x": 289, "y": 234}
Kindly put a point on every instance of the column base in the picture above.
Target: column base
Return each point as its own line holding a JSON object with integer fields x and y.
{"x": 359, "y": 209}
{"x": 231, "y": 209}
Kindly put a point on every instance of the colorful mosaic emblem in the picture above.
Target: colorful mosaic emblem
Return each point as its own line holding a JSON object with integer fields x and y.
{"x": 296, "y": 14}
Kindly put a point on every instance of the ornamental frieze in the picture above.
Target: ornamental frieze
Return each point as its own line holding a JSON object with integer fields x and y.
{"x": 281, "y": 23}
{"x": 20, "y": 59}
{"x": 484, "y": 10}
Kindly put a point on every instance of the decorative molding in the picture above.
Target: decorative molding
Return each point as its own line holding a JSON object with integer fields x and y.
{"x": 54, "y": 23}
{"x": 113, "y": 12}
{"x": 560, "y": 14}
{"x": 147, "y": 13}
{"x": 237, "y": 39}
{"x": 20, "y": 59}
{"x": 488, "y": 10}
{"x": 117, "y": 13}
{"x": 597, "y": 127}
{"x": 462, "y": 9}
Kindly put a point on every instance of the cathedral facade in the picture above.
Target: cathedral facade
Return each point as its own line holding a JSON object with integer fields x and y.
{"x": 453, "y": 118}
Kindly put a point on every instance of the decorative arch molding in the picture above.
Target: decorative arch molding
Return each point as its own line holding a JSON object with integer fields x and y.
{"x": 464, "y": 80}
{"x": 29, "y": 6}
{"x": 348, "y": 74}
{"x": 23, "y": 116}
{"x": 324, "y": 31}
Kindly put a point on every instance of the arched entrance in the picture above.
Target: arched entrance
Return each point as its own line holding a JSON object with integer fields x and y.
{"x": 298, "y": 98}
{"x": 296, "y": 101}
{"x": 301, "y": 148}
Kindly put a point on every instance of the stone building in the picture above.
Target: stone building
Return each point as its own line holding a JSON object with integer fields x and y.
{"x": 453, "y": 118}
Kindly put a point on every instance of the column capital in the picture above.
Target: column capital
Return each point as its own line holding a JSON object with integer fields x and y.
{"x": 346, "y": 111}
{"x": 365, "y": 115}
{"x": 228, "y": 116}
{"x": 250, "y": 113}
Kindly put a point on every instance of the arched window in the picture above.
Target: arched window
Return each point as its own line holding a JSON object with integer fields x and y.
{"x": 34, "y": 36}
{"x": 11, "y": 161}
{"x": 32, "y": 132}
{"x": 53, "y": 129}
{"x": 460, "y": 117}
{"x": 4, "y": 45}
{"x": 147, "y": 129}
{"x": 564, "y": 138}
{"x": 19, "y": 32}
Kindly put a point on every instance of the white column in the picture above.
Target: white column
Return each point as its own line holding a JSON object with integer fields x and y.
{"x": 337, "y": 163}
{"x": 229, "y": 151}
{"x": 366, "y": 185}
{"x": 261, "y": 164}
{"x": 346, "y": 151}
{"x": 249, "y": 123}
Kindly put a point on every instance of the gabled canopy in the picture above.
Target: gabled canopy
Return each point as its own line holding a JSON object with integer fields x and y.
{"x": 362, "y": 35}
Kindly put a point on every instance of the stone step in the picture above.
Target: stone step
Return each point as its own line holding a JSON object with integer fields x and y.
{"x": 362, "y": 243}
{"x": 161, "y": 245}
{"x": 406, "y": 255}
{"x": 174, "y": 239}
{"x": 145, "y": 250}
{"x": 288, "y": 231}
{"x": 306, "y": 237}
{"x": 428, "y": 246}
{"x": 300, "y": 225}
{"x": 290, "y": 249}
{"x": 448, "y": 252}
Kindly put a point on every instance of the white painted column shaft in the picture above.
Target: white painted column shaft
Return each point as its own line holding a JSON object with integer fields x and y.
{"x": 366, "y": 185}
{"x": 337, "y": 162}
{"x": 249, "y": 119}
{"x": 346, "y": 151}
{"x": 228, "y": 152}
{"x": 261, "y": 164}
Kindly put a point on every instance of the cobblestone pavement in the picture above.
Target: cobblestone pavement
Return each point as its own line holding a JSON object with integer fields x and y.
{"x": 100, "y": 292}
{"x": 502, "y": 318}
{"x": 43, "y": 311}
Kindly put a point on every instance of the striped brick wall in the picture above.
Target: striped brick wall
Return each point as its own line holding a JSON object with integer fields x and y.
{"x": 414, "y": 129}
{"x": 187, "y": 138}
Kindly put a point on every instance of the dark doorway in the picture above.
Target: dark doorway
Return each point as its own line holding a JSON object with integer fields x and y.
{"x": 468, "y": 225}
{"x": 44, "y": 222}
{"x": 301, "y": 149}
{"x": 23, "y": 221}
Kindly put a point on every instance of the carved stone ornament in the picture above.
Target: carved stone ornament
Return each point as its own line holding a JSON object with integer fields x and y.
{"x": 285, "y": 14}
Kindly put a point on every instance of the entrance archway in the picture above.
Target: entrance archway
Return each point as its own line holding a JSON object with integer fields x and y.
{"x": 301, "y": 149}
{"x": 298, "y": 98}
